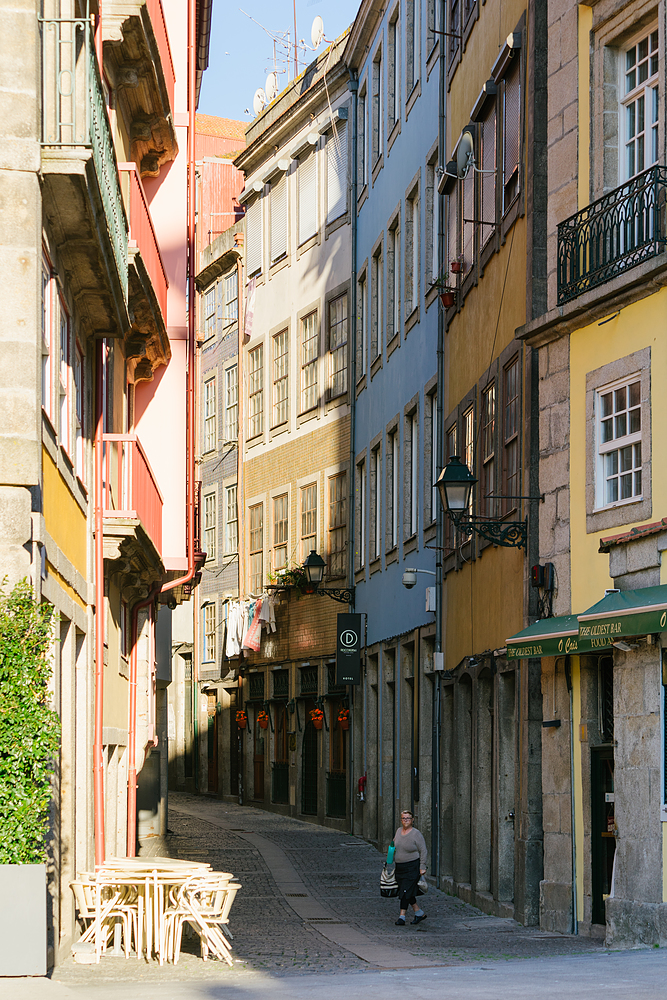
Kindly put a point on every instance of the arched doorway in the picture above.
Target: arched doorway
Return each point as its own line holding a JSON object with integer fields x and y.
{"x": 309, "y": 765}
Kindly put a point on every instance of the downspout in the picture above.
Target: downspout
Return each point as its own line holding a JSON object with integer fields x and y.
{"x": 440, "y": 443}
{"x": 190, "y": 441}
{"x": 354, "y": 87}
{"x": 240, "y": 501}
{"x": 98, "y": 768}
{"x": 132, "y": 727}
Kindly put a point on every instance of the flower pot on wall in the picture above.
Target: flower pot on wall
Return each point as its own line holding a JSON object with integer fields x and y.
{"x": 318, "y": 723}
{"x": 447, "y": 299}
{"x": 241, "y": 720}
{"x": 344, "y": 723}
{"x": 23, "y": 920}
{"x": 456, "y": 267}
{"x": 263, "y": 723}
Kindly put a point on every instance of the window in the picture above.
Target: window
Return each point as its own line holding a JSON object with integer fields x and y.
{"x": 376, "y": 506}
{"x": 411, "y": 253}
{"x": 619, "y": 443}
{"x": 280, "y": 531}
{"x": 209, "y": 415}
{"x": 488, "y": 178}
{"x": 414, "y": 473}
{"x": 377, "y": 305}
{"x": 411, "y": 45}
{"x": 309, "y": 357}
{"x": 640, "y": 106}
{"x": 209, "y": 313}
{"x": 210, "y": 526}
{"x": 378, "y": 110}
{"x": 307, "y": 184}
{"x": 336, "y": 149}
{"x": 79, "y": 429}
{"x": 511, "y": 435}
{"x": 393, "y": 282}
{"x": 337, "y": 547}
{"x": 393, "y": 73}
{"x": 64, "y": 376}
{"x": 232, "y": 298}
{"x": 123, "y": 629}
{"x": 468, "y": 444}
{"x": 452, "y": 251}
{"x": 469, "y": 227}
{"x": 47, "y": 328}
{"x": 362, "y": 159}
{"x": 279, "y": 218}
{"x": 280, "y": 378}
{"x": 433, "y": 404}
{"x": 256, "y": 548}
{"x": 360, "y": 514}
{"x": 308, "y": 520}
{"x": 432, "y": 209}
{"x": 232, "y": 536}
{"x": 337, "y": 313}
{"x": 231, "y": 404}
{"x": 392, "y": 488}
{"x": 253, "y": 227}
{"x": 454, "y": 28}
{"x": 256, "y": 391}
{"x": 451, "y": 444}
{"x": 488, "y": 449}
{"x": 511, "y": 133}
{"x": 209, "y": 632}
{"x": 432, "y": 24}
{"x": 362, "y": 327}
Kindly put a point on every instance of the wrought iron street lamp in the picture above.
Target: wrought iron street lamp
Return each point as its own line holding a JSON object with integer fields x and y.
{"x": 455, "y": 485}
{"x": 314, "y": 570}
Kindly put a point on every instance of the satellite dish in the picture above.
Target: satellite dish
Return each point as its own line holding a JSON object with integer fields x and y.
{"x": 258, "y": 101}
{"x": 465, "y": 155}
{"x": 271, "y": 86}
{"x": 317, "y": 32}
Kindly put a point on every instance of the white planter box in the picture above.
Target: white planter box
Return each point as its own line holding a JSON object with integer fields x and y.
{"x": 23, "y": 920}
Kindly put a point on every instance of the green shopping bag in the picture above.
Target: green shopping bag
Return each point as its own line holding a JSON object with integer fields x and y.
{"x": 391, "y": 850}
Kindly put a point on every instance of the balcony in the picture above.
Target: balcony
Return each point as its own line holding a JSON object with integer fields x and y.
{"x": 619, "y": 231}
{"x": 131, "y": 492}
{"x": 82, "y": 199}
{"x": 138, "y": 61}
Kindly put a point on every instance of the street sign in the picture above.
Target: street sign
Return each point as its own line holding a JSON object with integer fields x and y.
{"x": 348, "y": 649}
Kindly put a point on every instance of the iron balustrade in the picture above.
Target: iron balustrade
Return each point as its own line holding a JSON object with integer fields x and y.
{"x": 613, "y": 234}
{"x": 130, "y": 488}
{"x": 142, "y": 234}
{"x": 74, "y": 115}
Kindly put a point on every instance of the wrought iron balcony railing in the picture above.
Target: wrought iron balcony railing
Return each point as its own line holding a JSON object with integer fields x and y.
{"x": 613, "y": 234}
{"x": 74, "y": 115}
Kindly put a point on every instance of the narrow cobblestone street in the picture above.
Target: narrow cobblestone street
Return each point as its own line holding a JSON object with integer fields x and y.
{"x": 310, "y": 908}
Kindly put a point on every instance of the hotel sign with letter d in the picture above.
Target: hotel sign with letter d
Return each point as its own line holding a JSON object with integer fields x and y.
{"x": 348, "y": 649}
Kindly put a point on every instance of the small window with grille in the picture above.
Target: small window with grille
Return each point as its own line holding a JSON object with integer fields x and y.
{"x": 308, "y": 684}
{"x": 606, "y": 698}
{"x": 256, "y": 686}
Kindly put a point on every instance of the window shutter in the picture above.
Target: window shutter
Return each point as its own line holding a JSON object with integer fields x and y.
{"x": 452, "y": 228}
{"x": 468, "y": 248}
{"x": 307, "y": 197}
{"x": 512, "y": 132}
{"x": 336, "y": 172}
{"x": 253, "y": 223}
{"x": 279, "y": 218}
{"x": 488, "y": 179}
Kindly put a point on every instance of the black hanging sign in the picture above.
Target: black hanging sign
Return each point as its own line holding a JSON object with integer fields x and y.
{"x": 348, "y": 649}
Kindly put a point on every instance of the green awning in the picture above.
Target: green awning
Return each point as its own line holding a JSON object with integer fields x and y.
{"x": 628, "y": 612}
{"x": 551, "y": 637}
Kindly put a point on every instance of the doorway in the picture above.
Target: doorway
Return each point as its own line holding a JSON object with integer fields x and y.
{"x": 212, "y": 734}
{"x": 309, "y": 765}
{"x": 603, "y": 829}
{"x": 258, "y": 760}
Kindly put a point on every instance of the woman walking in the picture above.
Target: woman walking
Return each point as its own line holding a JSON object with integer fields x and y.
{"x": 410, "y": 858}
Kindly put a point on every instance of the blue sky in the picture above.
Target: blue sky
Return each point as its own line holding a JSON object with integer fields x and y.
{"x": 241, "y": 53}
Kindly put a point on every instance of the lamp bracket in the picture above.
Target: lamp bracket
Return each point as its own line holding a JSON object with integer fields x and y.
{"x": 344, "y": 595}
{"x": 508, "y": 534}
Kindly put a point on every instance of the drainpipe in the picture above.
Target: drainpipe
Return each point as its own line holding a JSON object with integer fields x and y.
{"x": 439, "y": 533}
{"x": 98, "y": 768}
{"x": 354, "y": 87}
{"x": 132, "y": 727}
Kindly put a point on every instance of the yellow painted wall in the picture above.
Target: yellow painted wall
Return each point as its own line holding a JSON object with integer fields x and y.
{"x": 63, "y": 518}
{"x": 642, "y": 324}
{"x": 481, "y": 617}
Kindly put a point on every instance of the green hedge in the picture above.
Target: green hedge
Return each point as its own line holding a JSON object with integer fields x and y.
{"x": 29, "y": 729}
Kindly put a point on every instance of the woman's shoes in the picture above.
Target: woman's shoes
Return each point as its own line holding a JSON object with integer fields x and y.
{"x": 418, "y": 920}
{"x": 400, "y": 922}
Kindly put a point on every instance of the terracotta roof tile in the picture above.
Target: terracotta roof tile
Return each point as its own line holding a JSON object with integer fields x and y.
{"x": 629, "y": 536}
{"x": 225, "y": 128}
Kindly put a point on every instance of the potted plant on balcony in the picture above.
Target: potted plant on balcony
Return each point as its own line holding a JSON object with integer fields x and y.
{"x": 263, "y": 720}
{"x": 317, "y": 717}
{"x": 29, "y": 742}
{"x": 456, "y": 265}
{"x": 344, "y": 718}
{"x": 447, "y": 294}
{"x": 241, "y": 720}
{"x": 290, "y": 577}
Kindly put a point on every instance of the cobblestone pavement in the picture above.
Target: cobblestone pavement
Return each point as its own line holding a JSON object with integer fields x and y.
{"x": 310, "y": 904}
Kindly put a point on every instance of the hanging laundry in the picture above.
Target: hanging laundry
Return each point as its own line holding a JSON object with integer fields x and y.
{"x": 253, "y": 637}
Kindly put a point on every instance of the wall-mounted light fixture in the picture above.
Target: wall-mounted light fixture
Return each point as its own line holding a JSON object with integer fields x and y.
{"x": 314, "y": 570}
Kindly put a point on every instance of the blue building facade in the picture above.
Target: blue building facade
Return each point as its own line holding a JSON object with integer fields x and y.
{"x": 394, "y": 56}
